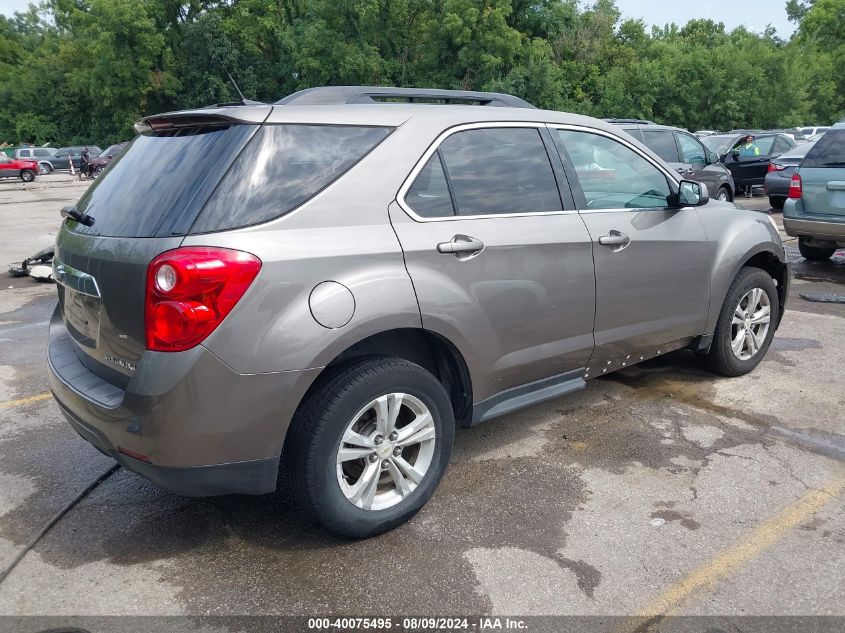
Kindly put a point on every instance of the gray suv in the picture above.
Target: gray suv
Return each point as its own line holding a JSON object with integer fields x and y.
{"x": 685, "y": 154}
{"x": 330, "y": 283}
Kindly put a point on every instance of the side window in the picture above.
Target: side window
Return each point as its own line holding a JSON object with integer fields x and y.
{"x": 41, "y": 152}
{"x": 781, "y": 146}
{"x": 691, "y": 150}
{"x": 429, "y": 195}
{"x": 281, "y": 168}
{"x": 765, "y": 144}
{"x": 500, "y": 170}
{"x": 24, "y": 153}
{"x": 612, "y": 175}
{"x": 61, "y": 153}
{"x": 662, "y": 143}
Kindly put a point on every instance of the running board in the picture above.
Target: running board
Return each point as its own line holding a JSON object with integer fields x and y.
{"x": 526, "y": 395}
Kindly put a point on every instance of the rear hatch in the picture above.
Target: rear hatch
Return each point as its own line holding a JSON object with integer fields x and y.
{"x": 823, "y": 177}
{"x": 144, "y": 204}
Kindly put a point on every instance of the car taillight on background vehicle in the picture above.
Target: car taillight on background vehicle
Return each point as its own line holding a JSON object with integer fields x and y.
{"x": 795, "y": 189}
{"x": 190, "y": 291}
{"x": 776, "y": 167}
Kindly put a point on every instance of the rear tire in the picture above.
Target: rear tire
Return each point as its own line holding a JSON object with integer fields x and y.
{"x": 336, "y": 445}
{"x": 744, "y": 331}
{"x": 814, "y": 253}
{"x": 27, "y": 175}
{"x": 777, "y": 202}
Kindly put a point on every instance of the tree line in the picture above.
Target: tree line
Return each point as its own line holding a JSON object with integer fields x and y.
{"x": 82, "y": 71}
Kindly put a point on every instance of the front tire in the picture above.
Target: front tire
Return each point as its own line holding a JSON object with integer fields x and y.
{"x": 746, "y": 324}
{"x": 27, "y": 175}
{"x": 723, "y": 195}
{"x": 814, "y": 253}
{"x": 369, "y": 446}
{"x": 44, "y": 169}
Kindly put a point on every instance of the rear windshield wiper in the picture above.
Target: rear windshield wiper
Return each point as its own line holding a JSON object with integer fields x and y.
{"x": 82, "y": 218}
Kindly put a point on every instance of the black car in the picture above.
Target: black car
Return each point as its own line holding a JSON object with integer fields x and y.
{"x": 748, "y": 163}
{"x": 61, "y": 159}
{"x": 780, "y": 173}
{"x": 684, "y": 153}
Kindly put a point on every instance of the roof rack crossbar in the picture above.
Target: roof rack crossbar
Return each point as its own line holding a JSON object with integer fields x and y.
{"x": 338, "y": 95}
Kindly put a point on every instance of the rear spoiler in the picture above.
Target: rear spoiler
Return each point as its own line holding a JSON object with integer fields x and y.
{"x": 205, "y": 117}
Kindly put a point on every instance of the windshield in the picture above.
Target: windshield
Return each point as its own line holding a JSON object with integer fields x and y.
{"x": 159, "y": 179}
{"x": 719, "y": 144}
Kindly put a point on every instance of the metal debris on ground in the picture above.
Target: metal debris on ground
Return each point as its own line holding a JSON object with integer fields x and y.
{"x": 823, "y": 297}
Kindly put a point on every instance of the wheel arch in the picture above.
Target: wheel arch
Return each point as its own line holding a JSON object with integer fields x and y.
{"x": 429, "y": 350}
{"x": 765, "y": 258}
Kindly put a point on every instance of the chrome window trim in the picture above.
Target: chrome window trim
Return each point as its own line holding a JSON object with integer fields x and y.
{"x": 591, "y": 130}
{"x": 409, "y": 180}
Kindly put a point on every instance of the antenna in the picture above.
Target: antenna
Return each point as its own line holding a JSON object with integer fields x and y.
{"x": 244, "y": 100}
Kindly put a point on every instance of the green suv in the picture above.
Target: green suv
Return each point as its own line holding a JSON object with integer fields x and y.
{"x": 815, "y": 211}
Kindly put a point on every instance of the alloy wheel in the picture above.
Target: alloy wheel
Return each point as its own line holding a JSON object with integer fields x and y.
{"x": 750, "y": 323}
{"x": 386, "y": 451}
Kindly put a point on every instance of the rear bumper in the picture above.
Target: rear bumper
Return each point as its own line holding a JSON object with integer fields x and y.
{"x": 253, "y": 477}
{"x": 834, "y": 231}
{"x": 204, "y": 428}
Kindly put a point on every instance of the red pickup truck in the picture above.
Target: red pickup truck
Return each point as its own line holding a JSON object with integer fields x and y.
{"x": 24, "y": 169}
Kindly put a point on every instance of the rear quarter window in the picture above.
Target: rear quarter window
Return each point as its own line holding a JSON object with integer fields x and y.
{"x": 829, "y": 151}
{"x": 283, "y": 167}
{"x": 662, "y": 143}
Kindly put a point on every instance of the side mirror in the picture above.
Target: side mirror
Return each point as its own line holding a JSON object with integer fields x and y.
{"x": 713, "y": 158}
{"x": 692, "y": 194}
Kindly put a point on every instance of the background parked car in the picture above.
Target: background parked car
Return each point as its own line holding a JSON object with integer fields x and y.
{"x": 748, "y": 171}
{"x": 701, "y": 133}
{"x": 780, "y": 173}
{"x": 25, "y": 169}
{"x": 686, "y": 154}
{"x": 813, "y": 130}
{"x": 61, "y": 159}
{"x": 43, "y": 155}
{"x": 815, "y": 211}
{"x": 100, "y": 162}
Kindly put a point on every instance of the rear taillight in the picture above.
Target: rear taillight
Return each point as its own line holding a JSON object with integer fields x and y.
{"x": 795, "y": 189}
{"x": 190, "y": 291}
{"x": 776, "y": 167}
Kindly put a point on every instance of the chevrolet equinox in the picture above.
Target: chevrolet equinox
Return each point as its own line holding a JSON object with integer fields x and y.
{"x": 328, "y": 284}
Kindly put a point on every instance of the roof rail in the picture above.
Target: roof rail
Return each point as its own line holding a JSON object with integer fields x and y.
{"x": 637, "y": 121}
{"x": 336, "y": 95}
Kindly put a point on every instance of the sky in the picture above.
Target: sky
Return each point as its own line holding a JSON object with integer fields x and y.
{"x": 754, "y": 14}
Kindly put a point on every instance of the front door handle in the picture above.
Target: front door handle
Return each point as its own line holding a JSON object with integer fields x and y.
{"x": 615, "y": 239}
{"x": 461, "y": 245}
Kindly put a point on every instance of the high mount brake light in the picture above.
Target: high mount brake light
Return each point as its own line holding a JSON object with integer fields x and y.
{"x": 795, "y": 187}
{"x": 190, "y": 291}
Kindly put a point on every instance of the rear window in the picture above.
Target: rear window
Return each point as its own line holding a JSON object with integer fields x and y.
{"x": 829, "y": 151}
{"x": 160, "y": 179}
{"x": 283, "y": 167}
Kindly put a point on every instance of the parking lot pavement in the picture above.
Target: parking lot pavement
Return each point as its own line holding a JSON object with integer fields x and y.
{"x": 662, "y": 489}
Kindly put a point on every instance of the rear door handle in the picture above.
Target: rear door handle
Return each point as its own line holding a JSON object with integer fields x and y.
{"x": 461, "y": 245}
{"x": 616, "y": 239}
